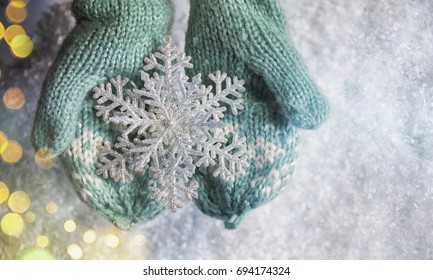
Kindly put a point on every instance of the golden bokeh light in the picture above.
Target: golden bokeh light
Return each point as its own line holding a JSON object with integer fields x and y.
{"x": 3, "y": 146}
{"x": 37, "y": 254}
{"x": 2, "y": 31}
{"x": 70, "y": 226}
{"x": 15, "y": 12}
{"x": 45, "y": 158}
{"x": 89, "y": 236}
{"x": 19, "y": 202}
{"x": 140, "y": 240}
{"x": 42, "y": 241}
{"x": 18, "y": 3}
{"x": 111, "y": 240}
{"x": 51, "y": 207}
{"x": 12, "y": 224}
{"x": 30, "y": 217}
{"x": 21, "y": 46}
{"x": 4, "y": 192}
{"x": 3, "y": 142}
{"x": 12, "y": 31}
{"x": 14, "y": 98}
{"x": 75, "y": 251}
{"x": 12, "y": 153}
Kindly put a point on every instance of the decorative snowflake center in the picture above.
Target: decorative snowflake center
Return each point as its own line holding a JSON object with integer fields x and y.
{"x": 170, "y": 127}
{"x": 167, "y": 123}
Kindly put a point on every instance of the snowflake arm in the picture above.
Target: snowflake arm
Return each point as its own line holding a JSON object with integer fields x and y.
{"x": 168, "y": 55}
{"x": 129, "y": 114}
{"x": 228, "y": 160}
{"x": 113, "y": 164}
{"x": 172, "y": 199}
{"x": 232, "y": 156}
{"x": 233, "y": 88}
{"x": 104, "y": 93}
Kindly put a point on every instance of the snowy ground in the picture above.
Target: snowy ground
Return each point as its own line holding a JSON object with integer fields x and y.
{"x": 363, "y": 188}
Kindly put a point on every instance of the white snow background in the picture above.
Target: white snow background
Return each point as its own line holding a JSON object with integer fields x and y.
{"x": 363, "y": 188}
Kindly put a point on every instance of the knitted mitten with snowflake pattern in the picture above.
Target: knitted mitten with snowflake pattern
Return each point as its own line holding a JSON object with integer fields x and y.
{"x": 111, "y": 38}
{"x": 249, "y": 39}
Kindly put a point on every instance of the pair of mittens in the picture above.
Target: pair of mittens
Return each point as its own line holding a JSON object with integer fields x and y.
{"x": 243, "y": 38}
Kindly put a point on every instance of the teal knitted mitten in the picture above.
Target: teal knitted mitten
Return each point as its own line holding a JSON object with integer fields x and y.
{"x": 248, "y": 39}
{"x": 111, "y": 38}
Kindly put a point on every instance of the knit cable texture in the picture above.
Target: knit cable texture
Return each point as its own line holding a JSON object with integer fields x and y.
{"x": 111, "y": 38}
{"x": 249, "y": 39}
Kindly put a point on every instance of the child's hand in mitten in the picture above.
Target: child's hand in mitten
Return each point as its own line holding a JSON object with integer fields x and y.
{"x": 111, "y": 38}
{"x": 248, "y": 39}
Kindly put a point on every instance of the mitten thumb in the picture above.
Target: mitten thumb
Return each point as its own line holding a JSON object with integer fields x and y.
{"x": 278, "y": 62}
{"x": 63, "y": 93}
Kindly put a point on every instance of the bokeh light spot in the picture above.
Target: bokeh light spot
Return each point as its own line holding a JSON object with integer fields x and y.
{"x": 140, "y": 240}
{"x": 70, "y": 226}
{"x": 42, "y": 241}
{"x": 111, "y": 240}
{"x": 12, "y": 153}
{"x": 3, "y": 142}
{"x": 12, "y": 224}
{"x": 14, "y": 98}
{"x": 18, "y": 3}
{"x": 19, "y": 202}
{"x": 45, "y": 158}
{"x": 21, "y": 46}
{"x": 2, "y": 31}
{"x": 37, "y": 254}
{"x": 12, "y": 31}
{"x": 15, "y": 13}
{"x": 89, "y": 236}
{"x": 4, "y": 192}
{"x": 51, "y": 207}
{"x": 30, "y": 217}
{"x": 75, "y": 251}
{"x": 3, "y": 147}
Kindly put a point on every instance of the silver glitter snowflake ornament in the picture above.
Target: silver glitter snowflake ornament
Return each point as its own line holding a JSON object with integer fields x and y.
{"x": 170, "y": 127}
